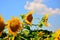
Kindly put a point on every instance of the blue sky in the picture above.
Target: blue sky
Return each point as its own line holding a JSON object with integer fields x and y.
{"x": 10, "y": 8}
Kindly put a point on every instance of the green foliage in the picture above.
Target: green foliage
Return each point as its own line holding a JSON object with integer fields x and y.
{"x": 22, "y": 15}
{"x": 27, "y": 34}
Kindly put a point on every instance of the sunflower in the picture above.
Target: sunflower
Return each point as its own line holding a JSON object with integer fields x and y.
{"x": 45, "y": 19}
{"x": 56, "y": 39}
{"x": 57, "y": 35}
{"x": 28, "y": 18}
{"x": 2, "y": 25}
{"x": 40, "y": 33}
{"x": 13, "y": 26}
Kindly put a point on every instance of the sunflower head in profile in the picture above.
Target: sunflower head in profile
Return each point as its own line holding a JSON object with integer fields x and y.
{"x": 45, "y": 19}
{"x": 2, "y": 25}
{"x": 14, "y": 25}
{"x": 28, "y": 18}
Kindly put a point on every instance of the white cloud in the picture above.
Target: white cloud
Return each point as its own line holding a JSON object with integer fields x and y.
{"x": 54, "y": 11}
{"x": 40, "y": 8}
{"x": 39, "y": 1}
{"x": 49, "y": 25}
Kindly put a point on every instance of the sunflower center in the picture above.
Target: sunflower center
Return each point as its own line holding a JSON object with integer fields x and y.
{"x": 1, "y": 26}
{"x": 14, "y": 28}
{"x": 29, "y": 18}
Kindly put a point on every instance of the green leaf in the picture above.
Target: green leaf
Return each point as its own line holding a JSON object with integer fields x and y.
{"x": 40, "y": 24}
{"x": 26, "y": 32}
{"x": 1, "y": 39}
{"x": 27, "y": 27}
{"x": 51, "y": 38}
{"x": 22, "y": 16}
{"x": 53, "y": 35}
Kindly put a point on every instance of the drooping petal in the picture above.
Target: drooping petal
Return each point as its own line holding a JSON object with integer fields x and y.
{"x": 45, "y": 19}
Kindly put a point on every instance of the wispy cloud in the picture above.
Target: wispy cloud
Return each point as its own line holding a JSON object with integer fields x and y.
{"x": 40, "y": 8}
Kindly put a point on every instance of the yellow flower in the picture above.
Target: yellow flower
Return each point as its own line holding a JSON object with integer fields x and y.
{"x": 13, "y": 26}
{"x": 57, "y": 38}
{"x": 45, "y": 24}
{"x": 45, "y": 20}
{"x": 40, "y": 33}
{"x": 28, "y": 18}
{"x": 57, "y": 34}
{"x": 46, "y": 16}
{"x": 2, "y": 25}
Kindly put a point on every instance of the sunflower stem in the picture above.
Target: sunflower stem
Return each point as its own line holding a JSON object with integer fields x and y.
{"x": 22, "y": 37}
{"x": 13, "y": 37}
